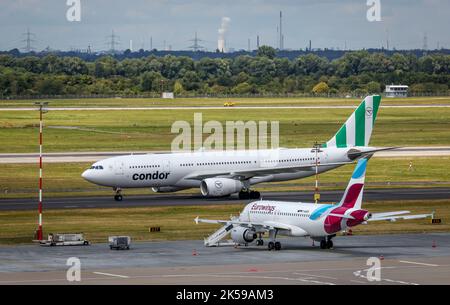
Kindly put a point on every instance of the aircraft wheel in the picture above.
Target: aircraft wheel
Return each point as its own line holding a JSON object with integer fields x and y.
{"x": 271, "y": 245}
{"x": 255, "y": 195}
{"x": 277, "y": 246}
{"x": 244, "y": 195}
{"x": 329, "y": 244}
{"x": 323, "y": 244}
{"x": 118, "y": 198}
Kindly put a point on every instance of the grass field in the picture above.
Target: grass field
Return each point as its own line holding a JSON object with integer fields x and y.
{"x": 177, "y": 223}
{"x": 262, "y": 101}
{"x": 151, "y": 130}
{"x": 64, "y": 179}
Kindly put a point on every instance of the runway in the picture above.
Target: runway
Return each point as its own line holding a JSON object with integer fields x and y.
{"x": 215, "y": 107}
{"x": 404, "y": 152}
{"x": 186, "y": 200}
{"x": 406, "y": 259}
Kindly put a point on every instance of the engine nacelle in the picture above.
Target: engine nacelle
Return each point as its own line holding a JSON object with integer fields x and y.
{"x": 166, "y": 189}
{"x": 243, "y": 235}
{"x": 216, "y": 187}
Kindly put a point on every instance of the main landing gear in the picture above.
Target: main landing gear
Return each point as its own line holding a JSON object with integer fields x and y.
{"x": 326, "y": 243}
{"x": 260, "y": 241}
{"x": 273, "y": 245}
{"x": 118, "y": 195}
{"x": 249, "y": 195}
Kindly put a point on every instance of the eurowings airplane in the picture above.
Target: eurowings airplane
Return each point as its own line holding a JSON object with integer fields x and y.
{"x": 320, "y": 222}
{"x": 224, "y": 173}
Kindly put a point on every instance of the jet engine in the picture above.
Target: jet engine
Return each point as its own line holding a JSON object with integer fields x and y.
{"x": 243, "y": 235}
{"x": 166, "y": 189}
{"x": 216, "y": 187}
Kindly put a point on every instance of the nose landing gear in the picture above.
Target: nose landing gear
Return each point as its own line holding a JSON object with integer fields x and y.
{"x": 118, "y": 195}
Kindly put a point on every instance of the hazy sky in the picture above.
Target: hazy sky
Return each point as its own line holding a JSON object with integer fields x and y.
{"x": 327, "y": 23}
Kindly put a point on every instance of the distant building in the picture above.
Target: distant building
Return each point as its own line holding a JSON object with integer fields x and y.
{"x": 396, "y": 91}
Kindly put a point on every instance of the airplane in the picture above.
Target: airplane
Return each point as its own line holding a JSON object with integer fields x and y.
{"x": 320, "y": 222}
{"x": 220, "y": 174}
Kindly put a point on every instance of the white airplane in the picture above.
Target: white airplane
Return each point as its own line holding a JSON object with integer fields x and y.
{"x": 320, "y": 222}
{"x": 224, "y": 173}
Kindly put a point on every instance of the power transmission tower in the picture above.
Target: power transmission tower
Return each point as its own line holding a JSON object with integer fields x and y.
{"x": 425, "y": 42}
{"x": 29, "y": 40}
{"x": 196, "y": 46}
{"x": 113, "y": 42}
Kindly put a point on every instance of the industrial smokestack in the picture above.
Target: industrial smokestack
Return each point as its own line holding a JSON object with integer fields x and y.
{"x": 222, "y": 32}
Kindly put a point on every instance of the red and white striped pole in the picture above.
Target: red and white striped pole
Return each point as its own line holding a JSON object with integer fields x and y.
{"x": 316, "y": 190}
{"x": 41, "y": 110}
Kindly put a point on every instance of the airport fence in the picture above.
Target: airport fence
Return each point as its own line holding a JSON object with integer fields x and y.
{"x": 218, "y": 95}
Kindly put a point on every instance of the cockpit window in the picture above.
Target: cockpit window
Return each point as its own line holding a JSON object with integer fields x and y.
{"x": 96, "y": 167}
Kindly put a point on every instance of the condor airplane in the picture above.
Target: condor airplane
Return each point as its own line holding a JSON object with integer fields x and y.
{"x": 320, "y": 222}
{"x": 219, "y": 174}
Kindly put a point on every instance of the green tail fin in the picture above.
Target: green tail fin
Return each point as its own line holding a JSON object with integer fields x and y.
{"x": 358, "y": 128}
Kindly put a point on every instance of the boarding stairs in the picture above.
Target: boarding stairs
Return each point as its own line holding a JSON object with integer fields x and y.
{"x": 214, "y": 239}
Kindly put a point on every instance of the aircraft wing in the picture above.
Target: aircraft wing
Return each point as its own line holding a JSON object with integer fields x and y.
{"x": 249, "y": 173}
{"x": 266, "y": 225}
{"x": 400, "y": 215}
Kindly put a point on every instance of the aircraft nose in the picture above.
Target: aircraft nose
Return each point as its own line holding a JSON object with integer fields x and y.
{"x": 86, "y": 175}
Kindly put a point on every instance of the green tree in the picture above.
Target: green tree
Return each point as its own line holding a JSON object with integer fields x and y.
{"x": 242, "y": 88}
{"x": 321, "y": 88}
{"x": 373, "y": 87}
{"x": 266, "y": 51}
{"x": 178, "y": 88}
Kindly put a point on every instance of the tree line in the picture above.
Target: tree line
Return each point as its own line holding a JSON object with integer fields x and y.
{"x": 356, "y": 72}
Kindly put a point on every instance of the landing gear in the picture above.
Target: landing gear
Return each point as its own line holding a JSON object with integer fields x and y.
{"x": 273, "y": 245}
{"x": 326, "y": 243}
{"x": 260, "y": 242}
{"x": 329, "y": 244}
{"x": 277, "y": 246}
{"x": 118, "y": 195}
{"x": 249, "y": 195}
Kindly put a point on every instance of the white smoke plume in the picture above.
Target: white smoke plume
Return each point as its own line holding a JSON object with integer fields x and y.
{"x": 222, "y": 32}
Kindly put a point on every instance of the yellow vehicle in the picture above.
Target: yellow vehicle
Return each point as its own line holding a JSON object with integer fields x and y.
{"x": 229, "y": 104}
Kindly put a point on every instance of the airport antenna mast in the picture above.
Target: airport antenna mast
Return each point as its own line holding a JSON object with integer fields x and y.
{"x": 29, "y": 40}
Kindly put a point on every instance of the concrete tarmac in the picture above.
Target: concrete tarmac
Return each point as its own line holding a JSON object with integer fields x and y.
{"x": 406, "y": 259}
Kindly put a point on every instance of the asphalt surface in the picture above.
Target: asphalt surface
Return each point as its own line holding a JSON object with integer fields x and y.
{"x": 423, "y": 194}
{"x": 406, "y": 259}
